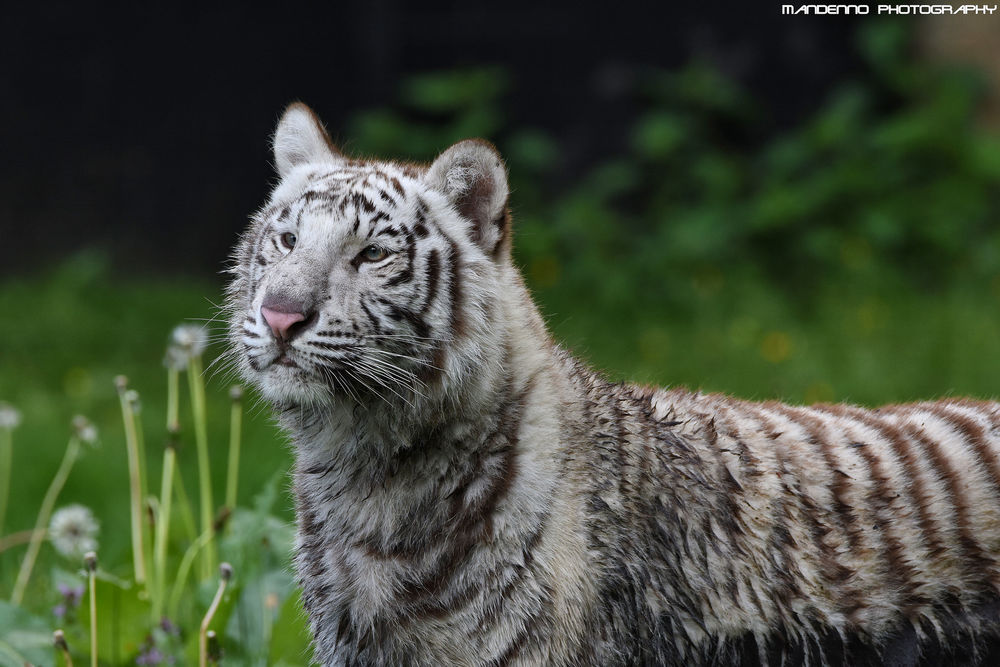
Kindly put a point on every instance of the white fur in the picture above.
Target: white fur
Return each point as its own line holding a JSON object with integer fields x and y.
{"x": 300, "y": 139}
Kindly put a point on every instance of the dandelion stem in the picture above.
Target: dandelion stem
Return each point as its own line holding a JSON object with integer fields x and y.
{"x": 6, "y": 463}
{"x": 48, "y": 502}
{"x": 149, "y": 522}
{"x": 90, "y": 560}
{"x": 235, "y": 425}
{"x": 163, "y": 530}
{"x": 140, "y": 442}
{"x": 135, "y": 482}
{"x": 226, "y": 572}
{"x": 173, "y": 399}
{"x": 207, "y": 508}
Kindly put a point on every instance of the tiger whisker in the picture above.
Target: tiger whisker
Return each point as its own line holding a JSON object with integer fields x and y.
{"x": 338, "y": 380}
{"x": 422, "y": 362}
{"x": 394, "y": 369}
{"x": 391, "y": 372}
{"x": 375, "y": 377}
{"x": 407, "y": 337}
{"x": 364, "y": 384}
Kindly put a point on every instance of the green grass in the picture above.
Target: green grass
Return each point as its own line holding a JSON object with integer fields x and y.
{"x": 69, "y": 332}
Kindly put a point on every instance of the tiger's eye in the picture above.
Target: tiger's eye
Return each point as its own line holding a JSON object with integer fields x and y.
{"x": 288, "y": 239}
{"x": 373, "y": 253}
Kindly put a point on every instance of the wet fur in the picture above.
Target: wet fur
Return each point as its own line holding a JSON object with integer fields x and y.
{"x": 492, "y": 501}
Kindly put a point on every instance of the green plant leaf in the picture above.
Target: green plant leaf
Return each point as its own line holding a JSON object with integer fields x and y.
{"x": 23, "y": 637}
{"x": 290, "y": 635}
{"x": 122, "y": 622}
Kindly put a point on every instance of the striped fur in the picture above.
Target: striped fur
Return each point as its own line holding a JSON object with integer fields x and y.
{"x": 469, "y": 494}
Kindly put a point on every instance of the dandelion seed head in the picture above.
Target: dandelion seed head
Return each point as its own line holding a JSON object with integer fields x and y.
{"x": 10, "y": 417}
{"x": 236, "y": 392}
{"x": 176, "y": 358}
{"x": 132, "y": 396}
{"x": 190, "y": 338}
{"x": 73, "y": 532}
{"x": 85, "y": 429}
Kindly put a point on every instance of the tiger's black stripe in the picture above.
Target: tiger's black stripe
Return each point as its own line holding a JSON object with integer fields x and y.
{"x": 897, "y": 569}
{"x": 975, "y": 436}
{"x": 781, "y": 545}
{"x": 913, "y": 484}
{"x": 835, "y": 572}
{"x": 980, "y": 564}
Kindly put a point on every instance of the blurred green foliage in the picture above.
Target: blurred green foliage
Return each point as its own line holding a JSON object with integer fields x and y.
{"x": 889, "y": 179}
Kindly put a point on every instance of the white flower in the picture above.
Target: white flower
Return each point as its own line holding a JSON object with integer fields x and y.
{"x": 190, "y": 337}
{"x": 73, "y": 531}
{"x": 186, "y": 341}
{"x": 10, "y": 417}
{"x": 132, "y": 397}
{"x": 84, "y": 429}
{"x": 175, "y": 359}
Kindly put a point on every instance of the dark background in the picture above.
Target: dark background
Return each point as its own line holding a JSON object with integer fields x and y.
{"x": 144, "y": 132}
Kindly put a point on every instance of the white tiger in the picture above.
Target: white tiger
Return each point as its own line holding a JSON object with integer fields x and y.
{"x": 469, "y": 494}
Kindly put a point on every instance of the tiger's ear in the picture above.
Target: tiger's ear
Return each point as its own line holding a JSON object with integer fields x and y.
{"x": 473, "y": 178}
{"x": 301, "y": 139}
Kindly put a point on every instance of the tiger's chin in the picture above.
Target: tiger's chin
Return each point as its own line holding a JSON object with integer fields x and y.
{"x": 286, "y": 383}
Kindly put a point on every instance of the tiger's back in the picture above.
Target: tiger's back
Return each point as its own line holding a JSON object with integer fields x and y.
{"x": 822, "y": 534}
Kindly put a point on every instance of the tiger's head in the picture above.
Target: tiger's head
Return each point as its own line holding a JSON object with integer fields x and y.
{"x": 372, "y": 280}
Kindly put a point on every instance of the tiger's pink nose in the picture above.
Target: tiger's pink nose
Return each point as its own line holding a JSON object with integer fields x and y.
{"x": 282, "y": 323}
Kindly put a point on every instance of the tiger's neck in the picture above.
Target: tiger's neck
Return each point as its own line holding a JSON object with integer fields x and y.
{"x": 404, "y": 508}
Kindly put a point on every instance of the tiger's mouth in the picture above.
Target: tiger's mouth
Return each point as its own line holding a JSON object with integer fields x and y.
{"x": 276, "y": 359}
{"x": 305, "y": 360}
{"x": 284, "y": 359}
{"x": 363, "y": 367}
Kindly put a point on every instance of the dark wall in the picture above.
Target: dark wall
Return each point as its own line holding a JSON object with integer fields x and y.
{"x": 145, "y": 132}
